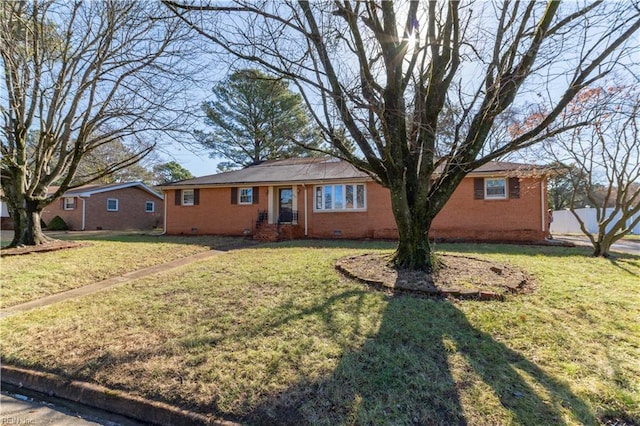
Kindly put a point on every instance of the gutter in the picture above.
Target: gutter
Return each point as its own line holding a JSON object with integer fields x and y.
{"x": 164, "y": 217}
{"x": 543, "y": 208}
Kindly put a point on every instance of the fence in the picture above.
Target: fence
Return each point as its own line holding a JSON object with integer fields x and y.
{"x": 564, "y": 222}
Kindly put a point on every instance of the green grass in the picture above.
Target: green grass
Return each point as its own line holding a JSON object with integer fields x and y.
{"x": 275, "y": 335}
{"x": 31, "y": 276}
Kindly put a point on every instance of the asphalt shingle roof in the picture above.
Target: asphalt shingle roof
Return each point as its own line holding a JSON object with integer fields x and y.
{"x": 282, "y": 171}
{"x": 314, "y": 170}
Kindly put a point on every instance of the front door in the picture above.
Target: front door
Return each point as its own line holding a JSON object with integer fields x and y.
{"x": 285, "y": 205}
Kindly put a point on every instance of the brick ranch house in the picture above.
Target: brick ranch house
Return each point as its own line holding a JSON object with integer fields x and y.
{"x": 5, "y": 219}
{"x": 117, "y": 206}
{"x": 328, "y": 198}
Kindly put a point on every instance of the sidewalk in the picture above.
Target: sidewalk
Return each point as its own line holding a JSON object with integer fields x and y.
{"x": 102, "y": 285}
{"x": 87, "y": 394}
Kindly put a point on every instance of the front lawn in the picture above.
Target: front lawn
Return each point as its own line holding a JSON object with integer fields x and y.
{"x": 274, "y": 335}
{"x": 105, "y": 255}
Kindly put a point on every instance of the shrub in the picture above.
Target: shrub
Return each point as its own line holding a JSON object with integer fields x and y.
{"x": 57, "y": 224}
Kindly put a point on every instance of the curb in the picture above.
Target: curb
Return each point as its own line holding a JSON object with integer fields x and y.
{"x": 106, "y": 399}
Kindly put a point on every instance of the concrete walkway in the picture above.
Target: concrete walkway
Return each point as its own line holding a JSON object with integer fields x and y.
{"x": 102, "y": 285}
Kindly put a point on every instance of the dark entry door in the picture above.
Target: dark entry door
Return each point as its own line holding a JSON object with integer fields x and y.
{"x": 286, "y": 205}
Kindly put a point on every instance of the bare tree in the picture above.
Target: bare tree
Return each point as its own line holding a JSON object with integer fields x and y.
{"x": 387, "y": 72}
{"x": 605, "y": 155}
{"x": 104, "y": 157}
{"x": 77, "y": 77}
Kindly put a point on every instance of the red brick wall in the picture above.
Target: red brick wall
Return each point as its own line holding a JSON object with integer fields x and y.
{"x": 518, "y": 219}
{"x": 462, "y": 218}
{"x": 131, "y": 212}
{"x": 73, "y": 218}
{"x": 214, "y": 214}
{"x": 376, "y": 222}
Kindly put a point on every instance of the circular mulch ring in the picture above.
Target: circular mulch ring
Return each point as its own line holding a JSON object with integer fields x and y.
{"x": 461, "y": 277}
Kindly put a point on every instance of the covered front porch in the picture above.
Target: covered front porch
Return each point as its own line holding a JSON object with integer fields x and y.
{"x": 282, "y": 220}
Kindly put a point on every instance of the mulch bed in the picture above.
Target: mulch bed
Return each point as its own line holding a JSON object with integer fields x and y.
{"x": 461, "y": 277}
{"x": 41, "y": 248}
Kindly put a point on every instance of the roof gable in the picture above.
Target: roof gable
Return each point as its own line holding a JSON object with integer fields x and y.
{"x": 89, "y": 190}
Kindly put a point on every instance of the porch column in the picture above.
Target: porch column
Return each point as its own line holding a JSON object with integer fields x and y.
{"x": 271, "y": 206}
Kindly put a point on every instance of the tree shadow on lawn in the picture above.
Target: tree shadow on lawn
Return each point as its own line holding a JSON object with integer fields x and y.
{"x": 403, "y": 375}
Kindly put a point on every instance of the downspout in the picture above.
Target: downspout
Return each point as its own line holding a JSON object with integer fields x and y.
{"x": 306, "y": 223}
{"x": 543, "y": 208}
{"x": 84, "y": 212}
{"x": 164, "y": 218}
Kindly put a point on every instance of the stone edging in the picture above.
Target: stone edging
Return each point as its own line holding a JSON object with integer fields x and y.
{"x": 106, "y": 399}
{"x": 466, "y": 294}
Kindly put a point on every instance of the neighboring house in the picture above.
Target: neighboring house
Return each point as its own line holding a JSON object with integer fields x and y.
{"x": 328, "y": 198}
{"x": 117, "y": 206}
{"x": 5, "y": 219}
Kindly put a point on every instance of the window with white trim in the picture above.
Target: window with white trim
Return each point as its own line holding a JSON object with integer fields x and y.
{"x": 149, "y": 207}
{"x": 245, "y": 196}
{"x": 69, "y": 203}
{"x": 495, "y": 188}
{"x": 112, "y": 204}
{"x": 340, "y": 197}
{"x": 188, "y": 197}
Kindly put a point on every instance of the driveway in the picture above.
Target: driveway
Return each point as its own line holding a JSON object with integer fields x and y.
{"x": 628, "y": 246}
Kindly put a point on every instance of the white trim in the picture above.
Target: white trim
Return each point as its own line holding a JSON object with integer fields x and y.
{"x": 164, "y": 219}
{"x": 84, "y": 213}
{"x": 64, "y": 203}
{"x": 543, "y": 208}
{"x": 495, "y": 197}
{"x": 89, "y": 192}
{"x": 240, "y": 189}
{"x": 343, "y": 198}
{"x": 153, "y": 206}
{"x": 271, "y": 183}
{"x": 306, "y": 215}
{"x": 271, "y": 206}
{"x": 116, "y": 208}
{"x": 193, "y": 199}
{"x": 294, "y": 199}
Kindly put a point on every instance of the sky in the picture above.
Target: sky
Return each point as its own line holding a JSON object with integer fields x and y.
{"x": 196, "y": 160}
{"x": 199, "y": 164}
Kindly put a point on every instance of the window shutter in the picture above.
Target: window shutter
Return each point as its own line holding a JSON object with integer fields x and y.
{"x": 478, "y": 189}
{"x": 514, "y": 187}
{"x": 75, "y": 203}
{"x": 234, "y": 195}
{"x": 178, "y": 199}
{"x": 255, "y": 193}
{"x": 196, "y": 197}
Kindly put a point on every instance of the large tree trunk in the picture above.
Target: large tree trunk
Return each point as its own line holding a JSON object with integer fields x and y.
{"x": 414, "y": 250}
{"x": 27, "y": 229}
